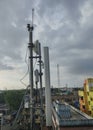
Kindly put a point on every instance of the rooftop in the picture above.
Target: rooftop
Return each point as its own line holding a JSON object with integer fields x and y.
{"x": 66, "y": 115}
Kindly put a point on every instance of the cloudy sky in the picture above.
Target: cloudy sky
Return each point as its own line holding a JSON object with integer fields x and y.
{"x": 65, "y": 26}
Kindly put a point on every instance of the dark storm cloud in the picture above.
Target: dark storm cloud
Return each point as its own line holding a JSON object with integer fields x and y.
{"x": 82, "y": 66}
{"x": 58, "y": 25}
{"x": 85, "y": 38}
{"x": 68, "y": 8}
{"x": 70, "y": 44}
{"x": 13, "y": 18}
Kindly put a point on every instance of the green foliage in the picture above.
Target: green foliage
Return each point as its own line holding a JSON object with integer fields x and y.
{"x": 2, "y": 100}
{"x": 13, "y": 98}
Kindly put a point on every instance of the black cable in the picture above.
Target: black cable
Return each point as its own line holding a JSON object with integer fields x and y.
{"x": 21, "y": 80}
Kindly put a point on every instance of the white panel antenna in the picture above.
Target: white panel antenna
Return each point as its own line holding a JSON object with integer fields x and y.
{"x": 37, "y": 47}
{"x": 36, "y": 76}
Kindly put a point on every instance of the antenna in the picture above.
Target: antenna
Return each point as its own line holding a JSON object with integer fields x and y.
{"x": 32, "y": 16}
{"x": 30, "y": 27}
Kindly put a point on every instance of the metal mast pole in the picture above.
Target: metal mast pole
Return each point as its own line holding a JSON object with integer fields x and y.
{"x": 41, "y": 98}
{"x": 30, "y": 47}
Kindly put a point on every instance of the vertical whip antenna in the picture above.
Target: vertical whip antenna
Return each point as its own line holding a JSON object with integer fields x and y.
{"x": 32, "y": 16}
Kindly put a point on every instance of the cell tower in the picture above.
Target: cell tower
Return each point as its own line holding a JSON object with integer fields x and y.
{"x": 36, "y": 47}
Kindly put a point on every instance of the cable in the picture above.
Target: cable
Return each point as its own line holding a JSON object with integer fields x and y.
{"x": 26, "y": 56}
{"x": 21, "y": 80}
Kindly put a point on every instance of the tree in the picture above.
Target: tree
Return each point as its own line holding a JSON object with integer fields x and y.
{"x": 13, "y": 98}
{"x": 2, "y": 99}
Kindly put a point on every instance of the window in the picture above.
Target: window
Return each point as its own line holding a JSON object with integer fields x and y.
{"x": 91, "y": 85}
{"x": 83, "y": 106}
{"x": 82, "y": 98}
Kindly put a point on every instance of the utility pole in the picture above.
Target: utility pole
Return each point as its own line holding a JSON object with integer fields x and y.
{"x": 30, "y": 47}
{"x": 37, "y": 48}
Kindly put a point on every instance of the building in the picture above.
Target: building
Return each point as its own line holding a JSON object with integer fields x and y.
{"x": 66, "y": 117}
{"x": 69, "y": 95}
{"x": 86, "y": 97}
